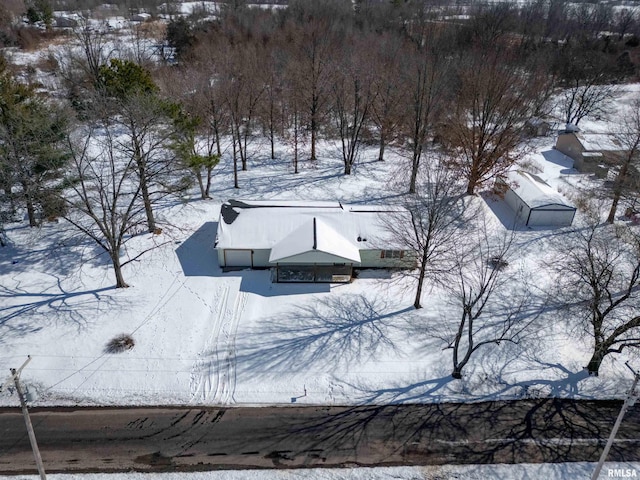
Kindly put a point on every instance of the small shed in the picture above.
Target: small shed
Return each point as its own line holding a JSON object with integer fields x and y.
{"x": 535, "y": 203}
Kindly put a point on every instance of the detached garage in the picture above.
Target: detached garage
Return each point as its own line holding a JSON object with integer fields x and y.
{"x": 535, "y": 203}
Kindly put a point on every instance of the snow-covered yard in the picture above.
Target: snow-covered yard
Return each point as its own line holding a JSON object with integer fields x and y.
{"x": 207, "y": 337}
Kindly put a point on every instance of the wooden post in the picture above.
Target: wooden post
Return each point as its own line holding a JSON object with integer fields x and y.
{"x": 25, "y": 411}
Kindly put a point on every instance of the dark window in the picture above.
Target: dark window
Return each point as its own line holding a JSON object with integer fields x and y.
{"x": 391, "y": 254}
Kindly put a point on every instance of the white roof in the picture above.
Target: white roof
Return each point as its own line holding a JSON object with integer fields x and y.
{"x": 534, "y": 191}
{"x": 604, "y": 142}
{"x": 314, "y": 237}
{"x": 287, "y": 227}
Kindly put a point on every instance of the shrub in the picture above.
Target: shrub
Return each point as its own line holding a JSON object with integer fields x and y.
{"x": 120, "y": 343}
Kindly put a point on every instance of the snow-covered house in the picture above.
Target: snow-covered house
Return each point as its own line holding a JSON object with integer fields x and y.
{"x": 535, "y": 203}
{"x": 309, "y": 241}
{"x": 591, "y": 152}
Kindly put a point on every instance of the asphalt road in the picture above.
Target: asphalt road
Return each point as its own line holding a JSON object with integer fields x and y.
{"x": 183, "y": 439}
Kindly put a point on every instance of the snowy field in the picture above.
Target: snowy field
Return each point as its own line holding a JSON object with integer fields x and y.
{"x": 205, "y": 337}
{"x": 560, "y": 471}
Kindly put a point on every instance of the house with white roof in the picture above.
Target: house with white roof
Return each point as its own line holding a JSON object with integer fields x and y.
{"x": 591, "y": 152}
{"x": 309, "y": 241}
{"x": 534, "y": 202}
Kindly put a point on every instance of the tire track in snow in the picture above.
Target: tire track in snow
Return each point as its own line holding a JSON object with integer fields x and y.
{"x": 226, "y": 354}
{"x": 203, "y": 372}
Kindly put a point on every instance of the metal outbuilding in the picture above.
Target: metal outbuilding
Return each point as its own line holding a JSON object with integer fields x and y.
{"x": 535, "y": 203}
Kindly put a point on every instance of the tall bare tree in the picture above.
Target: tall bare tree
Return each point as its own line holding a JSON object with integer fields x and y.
{"x": 129, "y": 98}
{"x": 103, "y": 196}
{"x": 586, "y": 79}
{"x": 600, "y": 277}
{"x": 388, "y": 106}
{"x": 490, "y": 298}
{"x": 243, "y": 88}
{"x": 352, "y": 97}
{"x": 426, "y": 81}
{"x": 436, "y": 212}
{"x": 485, "y": 125}
{"x": 314, "y": 45}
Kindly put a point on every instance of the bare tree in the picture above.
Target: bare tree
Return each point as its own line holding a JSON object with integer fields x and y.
{"x": 129, "y": 98}
{"x": 427, "y": 79}
{"x": 104, "y": 203}
{"x": 352, "y": 98}
{"x": 485, "y": 125}
{"x": 294, "y": 133}
{"x": 587, "y": 81}
{"x": 600, "y": 277}
{"x": 95, "y": 47}
{"x": 239, "y": 74}
{"x": 490, "y": 298}
{"x": 388, "y": 106}
{"x": 625, "y": 20}
{"x": 626, "y": 182}
{"x": 314, "y": 46}
{"x": 436, "y": 213}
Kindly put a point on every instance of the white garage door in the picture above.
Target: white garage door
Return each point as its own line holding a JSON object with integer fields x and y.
{"x": 237, "y": 258}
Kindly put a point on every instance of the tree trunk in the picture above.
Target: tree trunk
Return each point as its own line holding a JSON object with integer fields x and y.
{"x": 31, "y": 210}
{"x": 457, "y": 373}
{"x": 617, "y": 192}
{"x": 423, "y": 268}
{"x": 148, "y": 209}
{"x": 313, "y": 139}
{"x": 144, "y": 189}
{"x": 347, "y": 168}
{"x": 235, "y": 161}
{"x": 117, "y": 269}
{"x": 596, "y": 360}
{"x": 208, "y": 187}
{"x": 415, "y": 164}
{"x": 382, "y": 145}
{"x": 203, "y": 194}
{"x": 271, "y": 130}
{"x": 614, "y": 207}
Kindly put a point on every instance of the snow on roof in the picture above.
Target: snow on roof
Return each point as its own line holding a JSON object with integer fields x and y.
{"x": 314, "y": 236}
{"x": 534, "y": 191}
{"x": 265, "y": 224}
{"x": 605, "y": 142}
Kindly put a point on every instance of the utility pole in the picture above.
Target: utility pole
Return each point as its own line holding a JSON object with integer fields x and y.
{"x": 15, "y": 377}
{"x": 629, "y": 401}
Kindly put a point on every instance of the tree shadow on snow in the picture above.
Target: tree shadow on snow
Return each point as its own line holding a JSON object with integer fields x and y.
{"x": 34, "y": 311}
{"x": 335, "y": 331}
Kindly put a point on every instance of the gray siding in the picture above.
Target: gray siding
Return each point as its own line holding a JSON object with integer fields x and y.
{"x": 547, "y": 218}
{"x": 516, "y": 204}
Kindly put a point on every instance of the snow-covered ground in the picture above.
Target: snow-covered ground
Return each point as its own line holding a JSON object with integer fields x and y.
{"x": 207, "y": 337}
{"x": 560, "y": 471}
